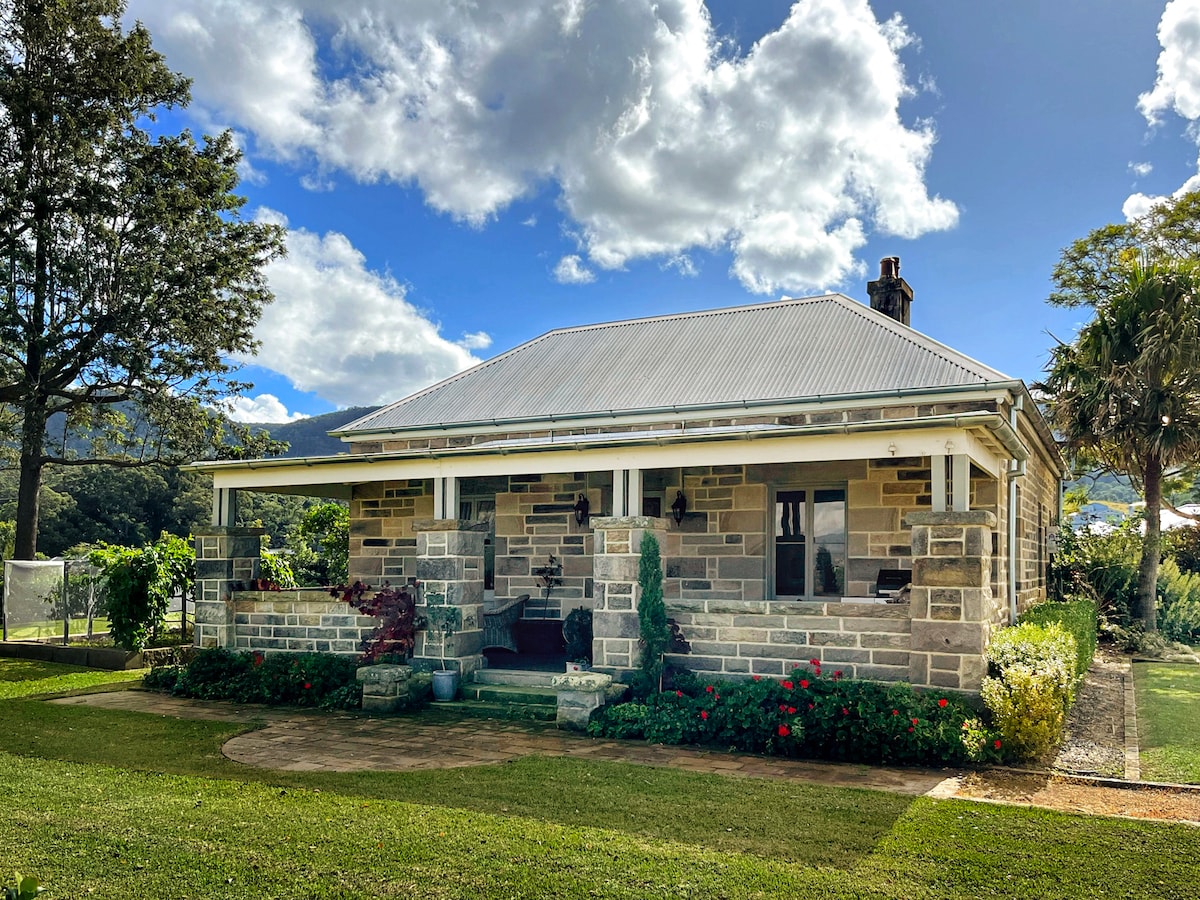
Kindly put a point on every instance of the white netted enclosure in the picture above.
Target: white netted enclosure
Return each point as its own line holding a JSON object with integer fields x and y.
{"x": 55, "y": 598}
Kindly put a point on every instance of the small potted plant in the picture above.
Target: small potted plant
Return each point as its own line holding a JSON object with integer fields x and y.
{"x": 444, "y": 621}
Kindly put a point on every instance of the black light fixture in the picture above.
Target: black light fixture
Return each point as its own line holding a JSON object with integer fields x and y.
{"x": 581, "y": 510}
{"x": 679, "y": 507}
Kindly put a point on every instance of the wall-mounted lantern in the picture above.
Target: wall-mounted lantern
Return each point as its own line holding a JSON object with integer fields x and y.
{"x": 581, "y": 510}
{"x": 679, "y": 507}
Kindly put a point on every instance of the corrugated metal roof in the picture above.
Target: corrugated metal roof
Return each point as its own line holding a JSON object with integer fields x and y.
{"x": 786, "y": 350}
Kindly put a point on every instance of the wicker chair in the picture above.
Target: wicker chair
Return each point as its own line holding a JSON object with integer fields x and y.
{"x": 498, "y": 622}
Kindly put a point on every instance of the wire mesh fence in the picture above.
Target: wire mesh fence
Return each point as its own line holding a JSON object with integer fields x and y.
{"x": 56, "y": 598}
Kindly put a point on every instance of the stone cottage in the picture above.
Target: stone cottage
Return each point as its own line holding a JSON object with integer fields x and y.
{"x": 801, "y": 462}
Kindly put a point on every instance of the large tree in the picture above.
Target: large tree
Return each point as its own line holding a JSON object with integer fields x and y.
{"x": 130, "y": 277}
{"x": 1094, "y": 267}
{"x": 1125, "y": 394}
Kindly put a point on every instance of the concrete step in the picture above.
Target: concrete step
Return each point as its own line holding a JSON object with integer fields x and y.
{"x": 532, "y": 695}
{"x": 492, "y": 710}
{"x": 513, "y": 677}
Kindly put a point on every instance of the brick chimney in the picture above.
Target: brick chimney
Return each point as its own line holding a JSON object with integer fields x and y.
{"x": 891, "y": 294}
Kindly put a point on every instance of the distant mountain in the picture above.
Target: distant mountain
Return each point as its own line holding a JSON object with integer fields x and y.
{"x": 307, "y": 437}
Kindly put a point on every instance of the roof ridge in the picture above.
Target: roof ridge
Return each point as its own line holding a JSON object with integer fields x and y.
{"x": 697, "y": 313}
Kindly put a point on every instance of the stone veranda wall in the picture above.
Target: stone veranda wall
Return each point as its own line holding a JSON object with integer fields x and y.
{"x": 772, "y": 637}
{"x": 303, "y": 621}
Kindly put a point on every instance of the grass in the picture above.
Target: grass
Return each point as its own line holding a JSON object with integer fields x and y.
{"x": 1168, "y": 704}
{"x": 29, "y": 677}
{"x": 112, "y": 803}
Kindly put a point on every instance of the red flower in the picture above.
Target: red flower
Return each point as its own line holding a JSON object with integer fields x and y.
{"x": 916, "y": 721}
{"x": 804, "y": 682}
{"x": 997, "y": 743}
{"x": 782, "y": 708}
{"x": 787, "y": 685}
{"x": 845, "y": 710}
{"x": 810, "y": 706}
{"x": 895, "y": 712}
{"x": 716, "y": 696}
{"x": 704, "y": 713}
{"x": 679, "y": 693}
{"x": 757, "y": 678}
{"x": 307, "y": 685}
{"x": 791, "y": 710}
{"x": 837, "y": 674}
{"x": 943, "y": 702}
{"x": 258, "y": 659}
{"x": 817, "y": 670}
{"x": 784, "y": 731}
{"x": 709, "y": 688}
{"x": 814, "y": 662}
{"x": 910, "y": 728}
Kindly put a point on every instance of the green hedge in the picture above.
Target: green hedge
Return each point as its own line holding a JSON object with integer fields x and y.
{"x": 1078, "y": 616}
{"x": 1030, "y": 685}
{"x": 279, "y": 679}
{"x": 810, "y": 714}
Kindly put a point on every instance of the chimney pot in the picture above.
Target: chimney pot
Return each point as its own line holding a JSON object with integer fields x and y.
{"x": 891, "y": 294}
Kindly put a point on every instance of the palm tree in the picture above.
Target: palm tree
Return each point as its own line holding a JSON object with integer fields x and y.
{"x": 1126, "y": 392}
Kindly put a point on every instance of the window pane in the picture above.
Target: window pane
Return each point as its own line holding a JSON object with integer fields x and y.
{"x": 829, "y": 538}
{"x": 789, "y": 543}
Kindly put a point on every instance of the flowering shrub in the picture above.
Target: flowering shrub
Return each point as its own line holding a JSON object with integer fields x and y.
{"x": 1030, "y": 685}
{"x": 809, "y": 714}
{"x": 283, "y": 679}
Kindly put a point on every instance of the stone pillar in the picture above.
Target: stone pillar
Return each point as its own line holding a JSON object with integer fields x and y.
{"x": 953, "y": 610}
{"x": 450, "y": 570}
{"x": 615, "y": 627}
{"x": 225, "y": 557}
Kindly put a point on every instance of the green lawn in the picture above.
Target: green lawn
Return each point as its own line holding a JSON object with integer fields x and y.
{"x": 106, "y": 803}
{"x": 27, "y": 677}
{"x": 1168, "y": 705}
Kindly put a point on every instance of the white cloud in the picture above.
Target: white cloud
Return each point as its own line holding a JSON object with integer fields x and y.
{"x": 477, "y": 340}
{"x": 683, "y": 264}
{"x": 1176, "y": 89}
{"x": 659, "y": 135}
{"x": 571, "y": 270}
{"x": 1178, "y": 85}
{"x": 1142, "y": 169}
{"x": 1139, "y": 204}
{"x": 348, "y": 333}
{"x": 263, "y": 408}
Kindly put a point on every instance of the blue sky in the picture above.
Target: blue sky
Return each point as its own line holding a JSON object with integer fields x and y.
{"x": 459, "y": 180}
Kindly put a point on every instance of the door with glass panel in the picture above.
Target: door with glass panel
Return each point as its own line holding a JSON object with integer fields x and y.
{"x": 809, "y": 542}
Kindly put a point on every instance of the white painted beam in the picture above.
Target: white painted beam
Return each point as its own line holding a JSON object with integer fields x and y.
{"x": 736, "y": 451}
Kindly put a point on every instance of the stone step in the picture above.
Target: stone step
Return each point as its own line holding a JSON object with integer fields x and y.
{"x": 512, "y": 693}
{"x": 513, "y": 676}
{"x": 491, "y": 710}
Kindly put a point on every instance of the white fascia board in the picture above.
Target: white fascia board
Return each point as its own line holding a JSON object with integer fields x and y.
{"x": 739, "y": 450}
{"x": 1001, "y": 391}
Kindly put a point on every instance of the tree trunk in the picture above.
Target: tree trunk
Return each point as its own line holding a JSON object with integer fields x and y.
{"x": 33, "y": 431}
{"x": 1147, "y": 592}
